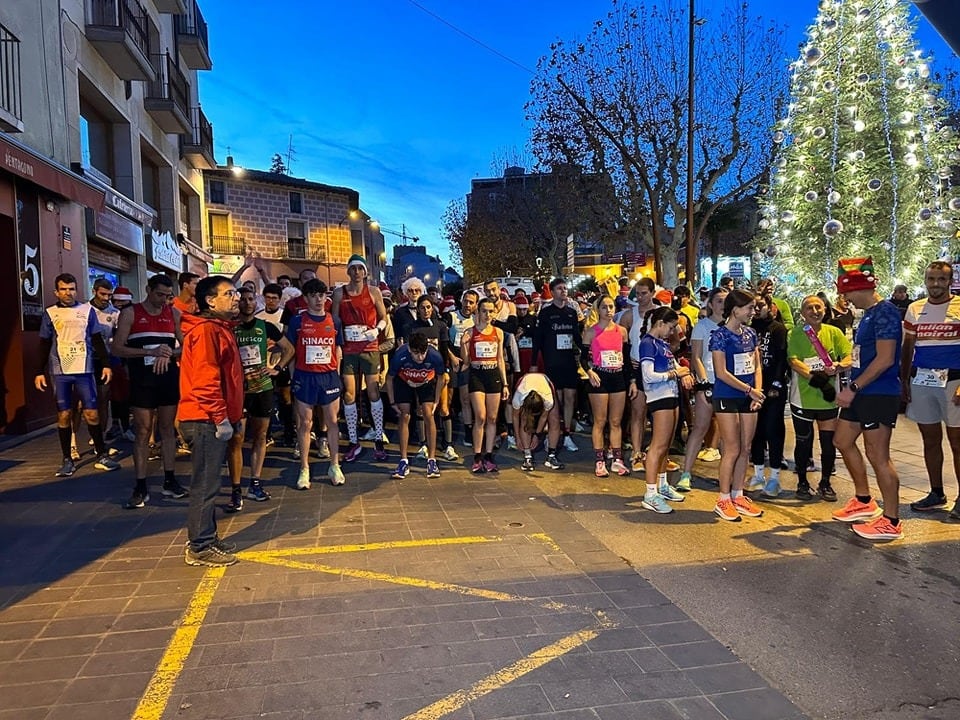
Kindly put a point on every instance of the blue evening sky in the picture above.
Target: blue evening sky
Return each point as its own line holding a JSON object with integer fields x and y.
{"x": 385, "y": 97}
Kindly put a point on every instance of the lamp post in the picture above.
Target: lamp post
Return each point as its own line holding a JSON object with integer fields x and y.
{"x": 691, "y": 271}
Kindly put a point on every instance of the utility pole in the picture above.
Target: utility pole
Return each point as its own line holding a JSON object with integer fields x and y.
{"x": 291, "y": 153}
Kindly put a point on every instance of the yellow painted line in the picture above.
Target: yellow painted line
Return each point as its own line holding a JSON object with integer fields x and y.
{"x": 546, "y": 540}
{"x": 331, "y": 549}
{"x": 154, "y": 700}
{"x": 502, "y": 677}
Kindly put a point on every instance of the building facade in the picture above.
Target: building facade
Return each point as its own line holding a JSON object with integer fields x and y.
{"x": 102, "y": 144}
{"x": 291, "y": 223}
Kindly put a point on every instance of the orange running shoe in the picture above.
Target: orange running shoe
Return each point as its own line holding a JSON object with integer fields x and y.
{"x": 855, "y": 510}
{"x": 745, "y": 506}
{"x": 879, "y": 529}
{"x": 726, "y": 510}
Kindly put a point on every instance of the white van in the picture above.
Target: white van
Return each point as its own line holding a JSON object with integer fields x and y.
{"x": 510, "y": 284}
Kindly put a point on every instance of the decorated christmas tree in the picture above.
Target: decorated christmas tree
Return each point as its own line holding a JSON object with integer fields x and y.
{"x": 865, "y": 161}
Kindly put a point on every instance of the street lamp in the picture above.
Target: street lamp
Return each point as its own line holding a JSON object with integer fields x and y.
{"x": 691, "y": 245}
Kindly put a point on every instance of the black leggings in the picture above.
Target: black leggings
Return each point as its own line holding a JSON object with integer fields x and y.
{"x": 770, "y": 431}
{"x": 803, "y": 429}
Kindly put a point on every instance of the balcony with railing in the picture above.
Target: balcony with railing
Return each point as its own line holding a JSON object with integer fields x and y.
{"x": 168, "y": 96}
{"x": 197, "y": 147}
{"x": 228, "y": 244}
{"x": 120, "y": 31}
{"x": 191, "y": 31}
{"x": 11, "y": 118}
{"x": 171, "y": 7}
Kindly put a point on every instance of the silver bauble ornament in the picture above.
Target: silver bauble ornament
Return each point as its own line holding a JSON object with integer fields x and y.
{"x": 779, "y": 136}
{"x": 829, "y": 86}
{"x": 901, "y": 83}
{"x": 771, "y": 250}
{"x": 954, "y": 204}
{"x": 863, "y": 79}
{"x": 863, "y": 14}
{"x": 832, "y": 228}
{"x": 810, "y": 196}
{"x": 944, "y": 173}
{"x": 886, "y": 246}
{"x": 858, "y": 155}
{"x": 925, "y": 214}
{"x": 813, "y": 56}
{"x": 833, "y": 197}
{"x": 757, "y": 257}
{"x": 859, "y": 126}
{"x": 764, "y": 224}
{"x": 874, "y": 184}
{"x": 788, "y": 216}
{"x": 819, "y": 131}
{"x": 829, "y": 25}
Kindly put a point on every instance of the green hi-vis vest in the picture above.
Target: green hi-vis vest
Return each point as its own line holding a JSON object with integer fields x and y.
{"x": 253, "y": 356}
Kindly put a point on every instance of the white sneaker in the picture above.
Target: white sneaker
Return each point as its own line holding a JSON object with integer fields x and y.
{"x": 324, "y": 451}
{"x": 579, "y": 426}
{"x": 370, "y": 435}
{"x": 296, "y": 451}
{"x": 569, "y": 445}
{"x": 336, "y": 475}
{"x": 422, "y": 452}
{"x": 450, "y": 455}
{"x": 303, "y": 479}
{"x": 511, "y": 442}
{"x": 754, "y": 483}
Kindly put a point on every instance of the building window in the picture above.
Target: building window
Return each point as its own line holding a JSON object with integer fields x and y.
{"x": 296, "y": 239}
{"x": 218, "y": 192}
{"x": 296, "y": 203}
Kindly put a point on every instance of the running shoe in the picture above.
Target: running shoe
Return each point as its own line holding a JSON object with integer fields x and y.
{"x": 754, "y": 483}
{"x": 211, "y": 556}
{"x": 672, "y": 466}
{"x": 433, "y": 470}
{"x": 569, "y": 445}
{"x": 657, "y": 503}
{"x": 138, "y": 499}
{"x": 601, "y": 470}
{"x": 746, "y": 506}
{"x": 827, "y": 493}
{"x": 771, "y": 489}
{"x": 490, "y": 466}
{"x": 933, "y": 501}
{"x": 106, "y": 463}
{"x": 636, "y": 463}
{"x": 726, "y": 510}
{"x": 353, "y": 453}
{"x": 74, "y": 453}
{"x": 683, "y": 484}
{"x": 879, "y": 529}
{"x": 422, "y": 453}
{"x": 667, "y": 491}
{"x": 553, "y": 462}
{"x": 67, "y": 469}
{"x": 236, "y": 500}
{"x": 324, "y": 451}
{"x": 296, "y": 451}
{"x": 477, "y": 467}
{"x": 370, "y": 435}
{"x": 804, "y": 493}
{"x": 303, "y": 479}
{"x": 527, "y": 464}
{"x": 379, "y": 454}
{"x": 256, "y": 493}
{"x": 618, "y": 467}
{"x": 708, "y": 455}
{"x": 450, "y": 454}
{"x": 511, "y": 442}
{"x": 403, "y": 469}
{"x": 173, "y": 489}
{"x": 855, "y": 510}
{"x": 336, "y": 475}
{"x": 129, "y": 435}
{"x": 184, "y": 449}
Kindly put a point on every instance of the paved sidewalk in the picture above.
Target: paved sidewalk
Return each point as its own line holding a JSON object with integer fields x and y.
{"x": 460, "y": 597}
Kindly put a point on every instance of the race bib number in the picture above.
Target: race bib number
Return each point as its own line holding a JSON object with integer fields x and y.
{"x": 354, "y": 333}
{"x": 930, "y": 378}
{"x": 611, "y": 359}
{"x": 855, "y": 354}
{"x": 319, "y": 354}
{"x": 744, "y": 363}
{"x": 485, "y": 350}
{"x": 150, "y": 360}
{"x": 250, "y": 356}
{"x": 564, "y": 341}
{"x": 525, "y": 343}
{"x": 73, "y": 357}
{"x": 814, "y": 364}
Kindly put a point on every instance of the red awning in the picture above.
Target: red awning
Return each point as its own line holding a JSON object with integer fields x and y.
{"x": 24, "y": 162}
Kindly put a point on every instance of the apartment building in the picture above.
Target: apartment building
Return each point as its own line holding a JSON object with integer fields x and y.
{"x": 102, "y": 144}
{"x": 292, "y": 223}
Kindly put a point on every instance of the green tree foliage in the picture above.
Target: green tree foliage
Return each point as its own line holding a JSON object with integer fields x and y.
{"x": 866, "y": 157}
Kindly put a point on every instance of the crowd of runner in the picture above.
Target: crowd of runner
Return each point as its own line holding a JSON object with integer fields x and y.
{"x": 649, "y": 372}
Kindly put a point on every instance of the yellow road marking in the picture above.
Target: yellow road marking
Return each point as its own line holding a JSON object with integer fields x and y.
{"x": 154, "y": 700}
{"x": 502, "y": 677}
{"x": 267, "y": 558}
{"x": 330, "y": 549}
{"x": 546, "y": 540}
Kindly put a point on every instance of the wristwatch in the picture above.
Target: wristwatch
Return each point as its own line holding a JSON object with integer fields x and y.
{"x": 853, "y": 386}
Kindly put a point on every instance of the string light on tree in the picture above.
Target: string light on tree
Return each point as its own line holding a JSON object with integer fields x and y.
{"x": 864, "y": 158}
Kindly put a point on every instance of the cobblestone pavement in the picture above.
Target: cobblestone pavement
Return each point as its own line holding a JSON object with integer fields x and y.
{"x": 459, "y": 597}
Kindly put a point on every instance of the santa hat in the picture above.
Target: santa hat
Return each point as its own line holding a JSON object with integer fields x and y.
{"x": 504, "y": 295}
{"x": 122, "y": 293}
{"x": 521, "y": 302}
{"x": 448, "y": 305}
{"x": 385, "y": 291}
{"x": 855, "y": 274}
{"x": 534, "y": 297}
{"x": 664, "y": 296}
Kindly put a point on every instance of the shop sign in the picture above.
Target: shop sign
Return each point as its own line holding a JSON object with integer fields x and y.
{"x": 31, "y": 277}
{"x": 116, "y": 229}
{"x": 165, "y": 251}
{"x": 126, "y": 207}
{"x": 735, "y": 269}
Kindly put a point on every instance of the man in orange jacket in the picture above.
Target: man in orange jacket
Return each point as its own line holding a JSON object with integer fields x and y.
{"x": 211, "y": 407}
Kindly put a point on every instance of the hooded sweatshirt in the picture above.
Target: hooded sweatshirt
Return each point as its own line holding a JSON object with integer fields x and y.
{"x": 211, "y": 376}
